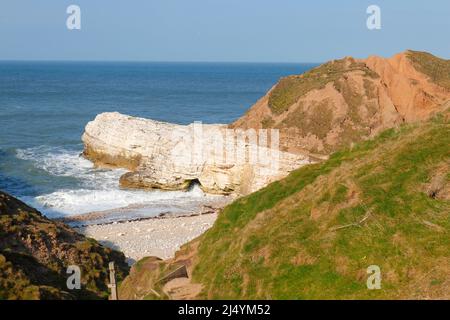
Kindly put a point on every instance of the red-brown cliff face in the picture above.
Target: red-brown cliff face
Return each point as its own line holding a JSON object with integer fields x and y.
{"x": 348, "y": 100}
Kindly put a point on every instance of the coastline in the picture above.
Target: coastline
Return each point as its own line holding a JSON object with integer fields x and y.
{"x": 159, "y": 236}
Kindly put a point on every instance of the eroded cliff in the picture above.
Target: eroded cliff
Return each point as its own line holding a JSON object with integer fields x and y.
{"x": 349, "y": 100}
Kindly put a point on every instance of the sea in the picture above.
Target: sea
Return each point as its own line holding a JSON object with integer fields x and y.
{"x": 44, "y": 107}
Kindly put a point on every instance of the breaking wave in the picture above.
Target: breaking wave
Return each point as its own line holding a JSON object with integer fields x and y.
{"x": 92, "y": 189}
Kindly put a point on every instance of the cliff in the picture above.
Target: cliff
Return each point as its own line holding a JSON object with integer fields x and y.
{"x": 349, "y": 100}
{"x": 35, "y": 253}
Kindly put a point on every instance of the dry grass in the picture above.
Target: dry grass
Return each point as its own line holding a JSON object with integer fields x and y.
{"x": 291, "y": 88}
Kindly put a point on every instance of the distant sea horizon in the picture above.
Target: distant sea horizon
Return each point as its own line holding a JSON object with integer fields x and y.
{"x": 45, "y": 105}
{"x": 161, "y": 61}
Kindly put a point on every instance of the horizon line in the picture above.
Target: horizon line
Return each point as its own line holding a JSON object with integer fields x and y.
{"x": 158, "y": 61}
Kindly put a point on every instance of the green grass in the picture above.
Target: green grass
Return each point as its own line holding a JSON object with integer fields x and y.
{"x": 281, "y": 241}
{"x": 291, "y": 88}
{"x": 436, "y": 68}
{"x": 35, "y": 253}
{"x": 317, "y": 120}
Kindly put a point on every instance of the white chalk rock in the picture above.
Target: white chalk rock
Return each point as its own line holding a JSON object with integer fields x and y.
{"x": 172, "y": 157}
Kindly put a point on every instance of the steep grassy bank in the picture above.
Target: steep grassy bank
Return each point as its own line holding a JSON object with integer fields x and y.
{"x": 313, "y": 234}
{"x": 35, "y": 253}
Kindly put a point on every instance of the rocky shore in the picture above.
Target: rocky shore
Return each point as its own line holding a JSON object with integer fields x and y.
{"x": 160, "y": 237}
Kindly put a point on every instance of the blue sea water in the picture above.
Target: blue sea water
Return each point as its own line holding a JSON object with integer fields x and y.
{"x": 44, "y": 107}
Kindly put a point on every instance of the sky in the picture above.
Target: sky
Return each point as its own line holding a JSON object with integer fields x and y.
{"x": 220, "y": 30}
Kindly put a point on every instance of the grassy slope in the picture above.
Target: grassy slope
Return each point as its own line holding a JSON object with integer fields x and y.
{"x": 436, "y": 68}
{"x": 281, "y": 242}
{"x": 35, "y": 253}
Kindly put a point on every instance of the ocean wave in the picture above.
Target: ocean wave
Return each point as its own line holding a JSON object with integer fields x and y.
{"x": 69, "y": 163}
{"x": 96, "y": 190}
{"x": 71, "y": 202}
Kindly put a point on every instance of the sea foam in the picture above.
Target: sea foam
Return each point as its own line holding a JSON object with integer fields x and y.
{"x": 95, "y": 189}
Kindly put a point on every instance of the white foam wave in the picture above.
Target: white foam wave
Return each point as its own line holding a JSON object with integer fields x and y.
{"x": 69, "y": 163}
{"x": 99, "y": 189}
{"x": 70, "y": 202}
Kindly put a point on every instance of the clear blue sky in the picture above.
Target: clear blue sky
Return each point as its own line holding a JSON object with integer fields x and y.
{"x": 220, "y": 30}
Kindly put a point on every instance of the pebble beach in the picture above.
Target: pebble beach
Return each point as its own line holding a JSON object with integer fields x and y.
{"x": 160, "y": 237}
